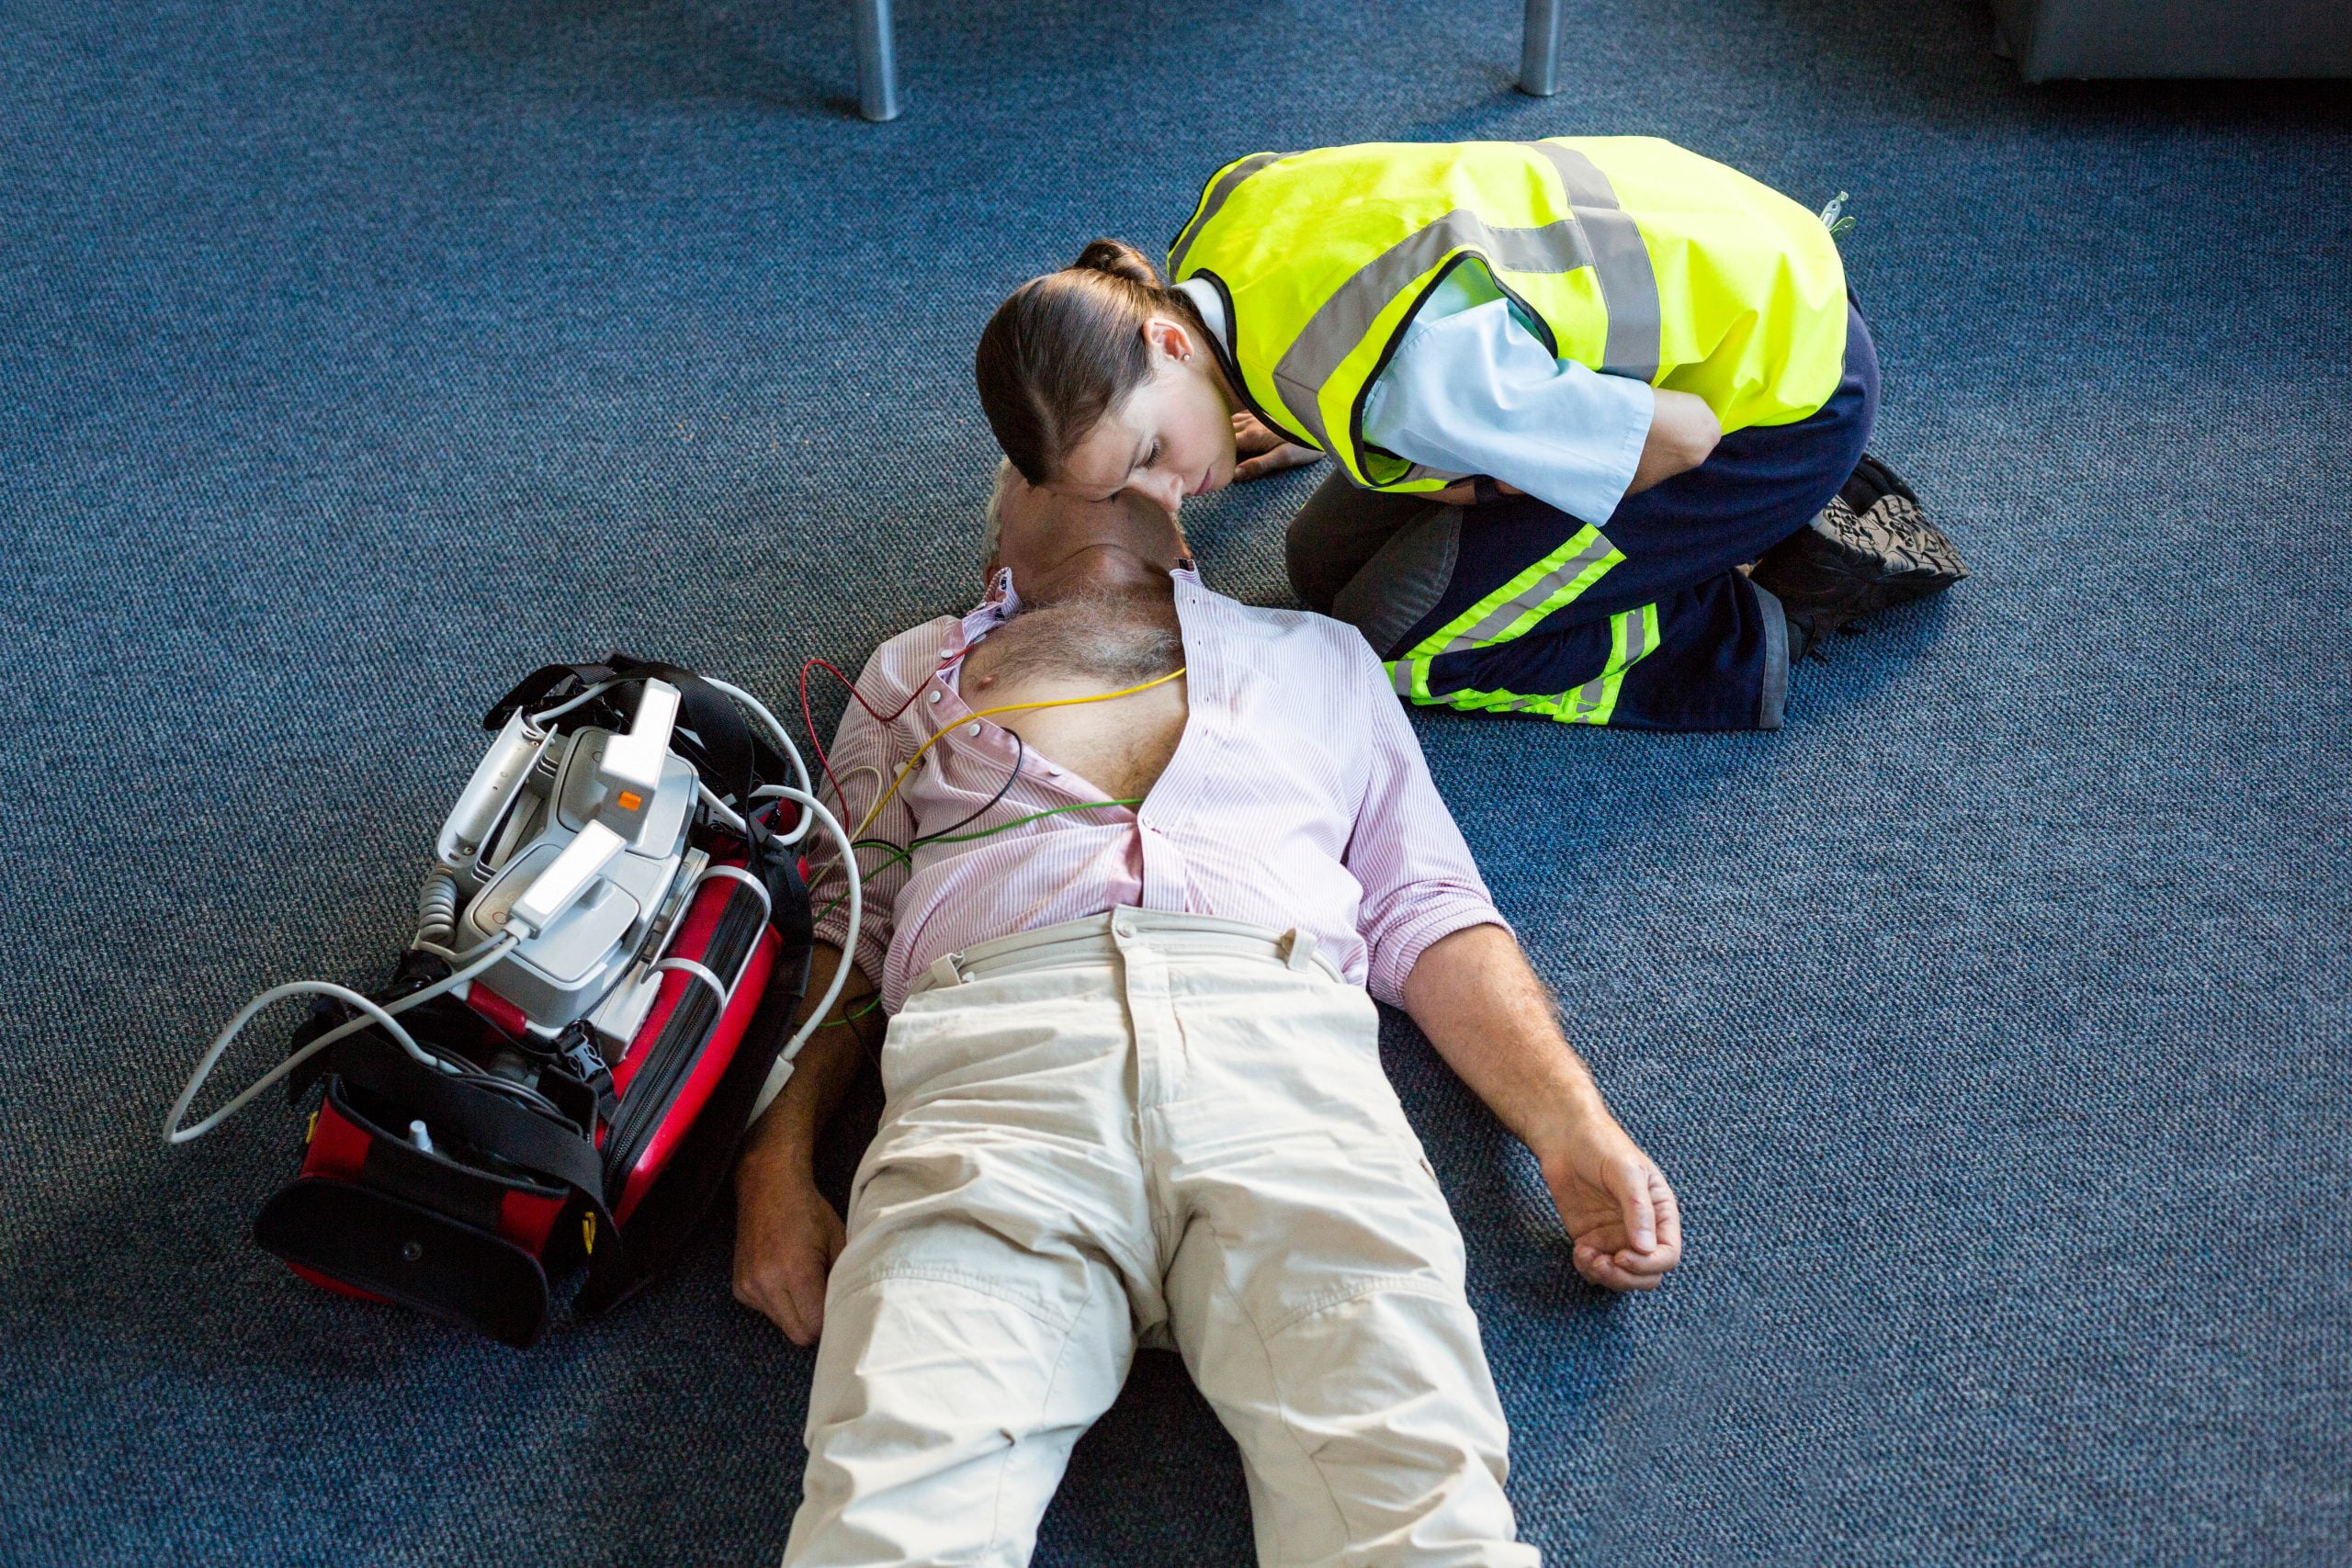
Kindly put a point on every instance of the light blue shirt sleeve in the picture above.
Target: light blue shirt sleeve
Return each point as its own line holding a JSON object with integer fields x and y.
{"x": 1471, "y": 390}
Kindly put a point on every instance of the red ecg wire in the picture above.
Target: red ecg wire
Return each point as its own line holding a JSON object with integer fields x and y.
{"x": 809, "y": 721}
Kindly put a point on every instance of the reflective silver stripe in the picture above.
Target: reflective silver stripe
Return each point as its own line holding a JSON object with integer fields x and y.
{"x": 1400, "y": 677}
{"x": 1217, "y": 197}
{"x": 1595, "y": 702}
{"x": 1773, "y": 703}
{"x": 1630, "y": 289}
{"x": 1637, "y": 637}
{"x": 1491, "y": 626}
{"x": 1340, "y": 324}
{"x": 1622, "y": 263}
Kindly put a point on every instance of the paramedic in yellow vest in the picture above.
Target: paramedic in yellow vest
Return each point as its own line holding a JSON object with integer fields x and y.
{"x": 1597, "y": 408}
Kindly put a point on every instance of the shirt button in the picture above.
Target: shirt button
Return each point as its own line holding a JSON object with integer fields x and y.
{"x": 934, "y": 698}
{"x": 973, "y": 728}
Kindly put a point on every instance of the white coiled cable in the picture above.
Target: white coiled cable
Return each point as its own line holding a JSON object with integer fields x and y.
{"x": 436, "y": 908}
{"x": 371, "y": 1012}
{"x": 816, "y": 812}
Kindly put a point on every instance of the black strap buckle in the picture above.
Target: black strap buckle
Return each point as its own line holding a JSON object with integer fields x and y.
{"x": 576, "y": 1049}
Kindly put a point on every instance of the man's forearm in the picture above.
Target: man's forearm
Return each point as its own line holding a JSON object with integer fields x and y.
{"x": 1494, "y": 1022}
{"x": 786, "y": 1134}
{"x": 786, "y": 1234}
{"x": 1474, "y": 994}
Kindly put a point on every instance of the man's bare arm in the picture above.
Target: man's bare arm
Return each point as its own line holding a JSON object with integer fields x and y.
{"x": 786, "y": 1234}
{"x": 1474, "y": 994}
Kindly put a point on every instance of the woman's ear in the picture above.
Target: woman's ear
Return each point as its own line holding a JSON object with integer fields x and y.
{"x": 1168, "y": 338}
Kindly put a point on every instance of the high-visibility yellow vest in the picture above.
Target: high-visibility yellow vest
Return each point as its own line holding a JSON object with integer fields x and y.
{"x": 1628, "y": 254}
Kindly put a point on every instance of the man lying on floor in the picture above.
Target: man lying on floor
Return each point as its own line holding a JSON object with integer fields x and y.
{"x": 1134, "y": 1083}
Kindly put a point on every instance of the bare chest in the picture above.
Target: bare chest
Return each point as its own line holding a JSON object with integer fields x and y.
{"x": 1120, "y": 746}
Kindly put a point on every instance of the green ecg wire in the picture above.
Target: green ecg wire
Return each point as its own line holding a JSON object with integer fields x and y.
{"x": 907, "y": 854}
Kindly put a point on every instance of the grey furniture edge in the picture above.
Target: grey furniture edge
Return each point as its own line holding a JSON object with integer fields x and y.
{"x": 878, "y": 66}
{"x": 2050, "y": 38}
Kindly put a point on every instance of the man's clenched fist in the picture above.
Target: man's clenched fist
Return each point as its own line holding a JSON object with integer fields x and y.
{"x": 786, "y": 1237}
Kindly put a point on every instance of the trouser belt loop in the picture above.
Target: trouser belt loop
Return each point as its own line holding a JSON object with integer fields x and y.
{"x": 944, "y": 971}
{"x": 1299, "y": 949}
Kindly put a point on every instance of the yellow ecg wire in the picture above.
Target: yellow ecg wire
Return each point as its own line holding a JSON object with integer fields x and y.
{"x": 867, "y": 821}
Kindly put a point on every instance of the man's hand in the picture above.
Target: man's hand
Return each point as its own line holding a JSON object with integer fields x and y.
{"x": 1495, "y": 1024}
{"x": 786, "y": 1237}
{"x": 1264, "y": 452}
{"x": 1620, "y": 1213}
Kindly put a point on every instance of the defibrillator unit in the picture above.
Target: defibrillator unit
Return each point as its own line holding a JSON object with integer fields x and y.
{"x": 609, "y": 947}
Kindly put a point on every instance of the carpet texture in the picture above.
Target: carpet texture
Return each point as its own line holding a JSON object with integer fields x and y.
{"x": 1991, "y": 1019}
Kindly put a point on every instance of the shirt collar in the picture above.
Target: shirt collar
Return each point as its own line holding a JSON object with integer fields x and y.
{"x": 1002, "y": 602}
{"x": 1210, "y": 305}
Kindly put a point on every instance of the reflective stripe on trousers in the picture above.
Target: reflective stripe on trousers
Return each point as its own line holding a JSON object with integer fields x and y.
{"x": 1633, "y": 636}
{"x": 1517, "y": 607}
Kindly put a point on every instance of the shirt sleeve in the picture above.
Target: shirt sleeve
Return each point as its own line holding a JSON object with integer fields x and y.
{"x": 1474, "y": 393}
{"x": 866, "y": 756}
{"x": 1420, "y": 882}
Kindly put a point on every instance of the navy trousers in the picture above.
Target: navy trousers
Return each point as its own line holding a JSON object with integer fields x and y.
{"x": 1640, "y": 619}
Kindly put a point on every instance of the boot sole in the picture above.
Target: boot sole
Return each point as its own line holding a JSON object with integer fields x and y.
{"x": 1845, "y": 564}
{"x": 1895, "y": 543}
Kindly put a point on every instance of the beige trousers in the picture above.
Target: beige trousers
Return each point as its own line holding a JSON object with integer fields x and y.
{"x": 1147, "y": 1127}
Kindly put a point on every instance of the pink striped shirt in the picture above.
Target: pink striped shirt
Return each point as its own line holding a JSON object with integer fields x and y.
{"x": 1297, "y": 797}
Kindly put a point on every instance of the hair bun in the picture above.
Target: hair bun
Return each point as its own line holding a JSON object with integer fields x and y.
{"x": 1120, "y": 260}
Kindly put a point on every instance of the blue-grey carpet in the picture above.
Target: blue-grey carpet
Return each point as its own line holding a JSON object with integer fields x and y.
{"x": 356, "y": 356}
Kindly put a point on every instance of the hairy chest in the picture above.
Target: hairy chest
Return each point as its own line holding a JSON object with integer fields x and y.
{"x": 1121, "y": 745}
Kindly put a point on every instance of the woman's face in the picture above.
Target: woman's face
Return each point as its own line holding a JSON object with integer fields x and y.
{"x": 1172, "y": 437}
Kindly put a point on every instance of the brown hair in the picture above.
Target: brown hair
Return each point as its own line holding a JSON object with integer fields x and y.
{"x": 1067, "y": 349}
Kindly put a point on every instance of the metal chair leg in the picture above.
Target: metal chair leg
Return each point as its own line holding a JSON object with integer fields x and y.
{"x": 1538, "y": 49}
{"x": 877, "y": 65}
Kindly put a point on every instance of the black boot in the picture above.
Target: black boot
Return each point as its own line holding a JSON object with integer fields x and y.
{"x": 1870, "y": 548}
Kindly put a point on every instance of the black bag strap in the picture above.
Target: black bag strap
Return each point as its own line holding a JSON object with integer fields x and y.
{"x": 789, "y": 911}
{"x": 444, "y": 1024}
{"x": 482, "y": 1117}
{"x": 544, "y": 688}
